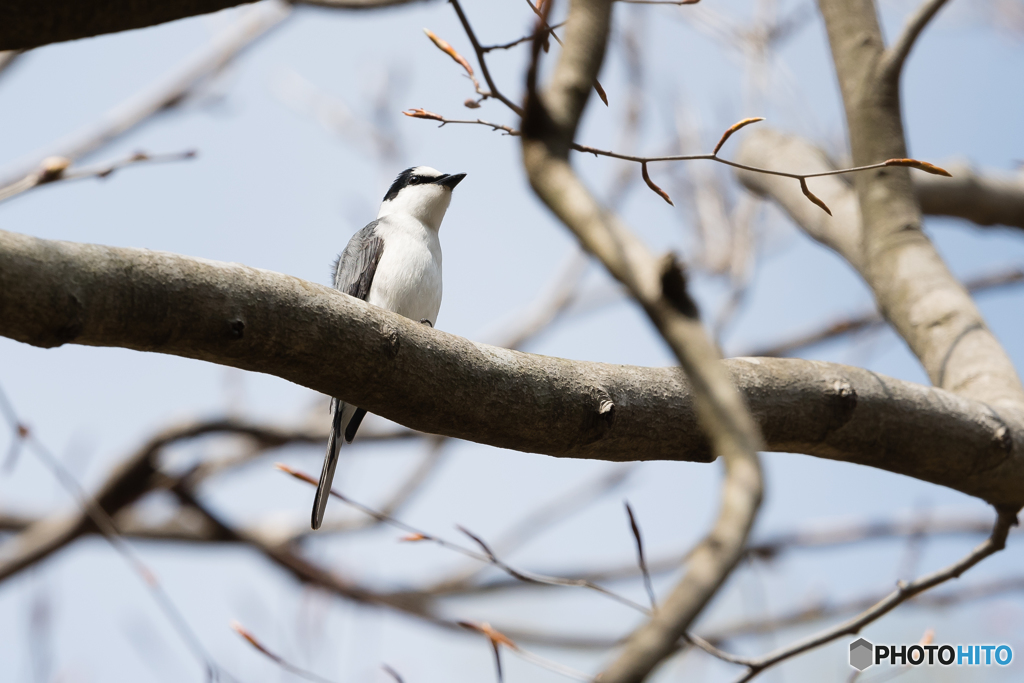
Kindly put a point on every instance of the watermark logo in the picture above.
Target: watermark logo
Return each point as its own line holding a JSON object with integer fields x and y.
{"x": 863, "y": 654}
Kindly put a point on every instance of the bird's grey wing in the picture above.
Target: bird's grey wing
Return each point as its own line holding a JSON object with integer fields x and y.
{"x": 353, "y": 274}
{"x": 355, "y": 268}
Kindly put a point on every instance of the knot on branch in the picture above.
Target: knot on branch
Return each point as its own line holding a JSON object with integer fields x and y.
{"x": 843, "y": 403}
{"x": 236, "y": 328}
{"x": 673, "y": 286}
{"x": 601, "y": 417}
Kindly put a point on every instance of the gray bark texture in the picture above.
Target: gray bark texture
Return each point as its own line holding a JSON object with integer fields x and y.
{"x": 54, "y": 293}
{"x": 30, "y": 23}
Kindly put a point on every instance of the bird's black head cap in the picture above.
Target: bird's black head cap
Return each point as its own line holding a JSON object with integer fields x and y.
{"x": 409, "y": 176}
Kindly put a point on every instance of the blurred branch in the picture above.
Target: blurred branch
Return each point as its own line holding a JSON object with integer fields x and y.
{"x": 982, "y": 197}
{"x": 549, "y": 127}
{"x": 163, "y": 94}
{"x": 276, "y": 658}
{"x": 767, "y": 550}
{"x": 93, "y": 511}
{"x": 892, "y": 59}
{"x": 532, "y": 524}
{"x": 55, "y": 169}
{"x": 857, "y": 323}
{"x": 487, "y": 556}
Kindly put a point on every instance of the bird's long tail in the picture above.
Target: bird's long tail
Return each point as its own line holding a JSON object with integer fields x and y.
{"x": 341, "y": 417}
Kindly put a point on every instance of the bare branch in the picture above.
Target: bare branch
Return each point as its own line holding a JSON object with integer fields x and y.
{"x": 164, "y": 93}
{"x": 54, "y": 169}
{"x": 892, "y": 59}
{"x": 421, "y": 113}
{"x": 92, "y": 510}
{"x": 955, "y": 345}
{"x": 641, "y": 560}
{"x": 548, "y": 131}
{"x": 481, "y": 58}
{"x": 519, "y": 41}
{"x": 276, "y": 658}
{"x": 488, "y": 556}
{"x": 984, "y": 198}
{"x": 864, "y": 321}
{"x": 904, "y": 591}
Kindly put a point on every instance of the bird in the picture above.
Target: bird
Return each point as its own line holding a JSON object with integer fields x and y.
{"x": 395, "y": 263}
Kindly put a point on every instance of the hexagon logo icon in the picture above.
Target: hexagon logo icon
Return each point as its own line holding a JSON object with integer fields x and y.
{"x": 861, "y": 654}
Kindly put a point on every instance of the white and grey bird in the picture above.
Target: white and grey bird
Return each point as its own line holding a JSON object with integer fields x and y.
{"x": 395, "y": 263}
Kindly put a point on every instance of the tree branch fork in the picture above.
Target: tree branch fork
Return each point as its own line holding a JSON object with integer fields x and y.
{"x": 53, "y": 293}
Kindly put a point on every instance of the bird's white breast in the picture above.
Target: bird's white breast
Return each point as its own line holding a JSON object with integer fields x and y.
{"x": 408, "y": 277}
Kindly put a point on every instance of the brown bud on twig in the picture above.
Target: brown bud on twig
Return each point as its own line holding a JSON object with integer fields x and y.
{"x": 412, "y": 538}
{"x": 650, "y": 183}
{"x": 733, "y": 128}
{"x": 422, "y": 113}
{"x": 494, "y": 635}
{"x": 301, "y": 476}
{"x": 919, "y": 165}
{"x": 600, "y": 92}
{"x": 242, "y": 631}
{"x": 810, "y": 195}
{"x": 449, "y": 50}
{"x": 471, "y": 104}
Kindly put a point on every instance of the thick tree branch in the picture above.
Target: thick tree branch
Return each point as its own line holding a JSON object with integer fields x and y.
{"x": 27, "y": 23}
{"x": 52, "y": 293}
{"x": 915, "y": 291}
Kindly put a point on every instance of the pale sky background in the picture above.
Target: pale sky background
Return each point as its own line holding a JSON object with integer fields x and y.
{"x": 274, "y": 189}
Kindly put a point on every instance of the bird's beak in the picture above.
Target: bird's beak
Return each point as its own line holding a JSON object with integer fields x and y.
{"x": 450, "y": 181}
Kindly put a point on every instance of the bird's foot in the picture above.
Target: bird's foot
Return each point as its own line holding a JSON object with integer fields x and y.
{"x": 427, "y": 322}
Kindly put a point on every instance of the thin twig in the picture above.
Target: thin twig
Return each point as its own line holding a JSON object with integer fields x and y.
{"x": 641, "y": 560}
{"x": 488, "y": 556}
{"x": 482, "y": 60}
{"x": 904, "y": 591}
{"x": 520, "y": 41}
{"x": 57, "y": 169}
{"x": 278, "y": 659}
{"x": 164, "y": 93}
{"x": 643, "y": 161}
